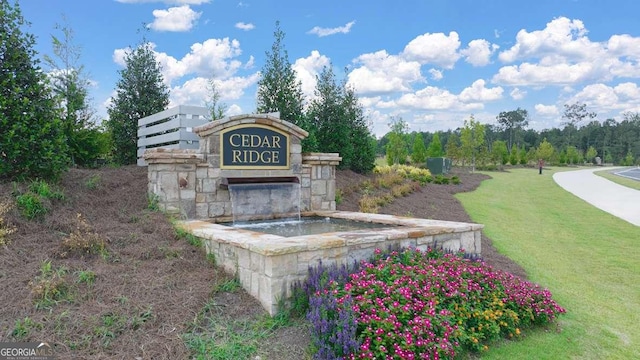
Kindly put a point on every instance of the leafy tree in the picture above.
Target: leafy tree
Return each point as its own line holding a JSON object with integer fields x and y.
{"x": 573, "y": 155}
{"x": 573, "y": 115}
{"x": 499, "y": 152}
{"x": 32, "y": 143}
{"x": 471, "y": 139}
{"x": 545, "y": 150}
{"x": 397, "y": 147}
{"x": 453, "y": 148}
{"x": 513, "y": 156}
{"x": 140, "y": 92}
{"x": 279, "y": 90}
{"x": 70, "y": 84}
{"x": 523, "y": 156}
{"x": 513, "y": 122}
{"x": 419, "y": 154}
{"x": 435, "y": 147}
{"x": 216, "y": 108}
{"x": 591, "y": 154}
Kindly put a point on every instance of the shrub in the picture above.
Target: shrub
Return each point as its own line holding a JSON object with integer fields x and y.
{"x": 5, "y": 229}
{"x": 31, "y": 207}
{"x": 455, "y": 180}
{"x": 413, "y": 304}
{"x": 369, "y": 204}
{"x": 83, "y": 241}
{"x": 50, "y": 287}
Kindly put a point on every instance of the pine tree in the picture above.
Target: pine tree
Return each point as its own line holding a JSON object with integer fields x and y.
{"x": 419, "y": 154}
{"x": 397, "y": 146}
{"x": 435, "y": 147}
{"x": 363, "y": 157}
{"x": 279, "y": 90}
{"x": 140, "y": 92}
{"x": 31, "y": 141}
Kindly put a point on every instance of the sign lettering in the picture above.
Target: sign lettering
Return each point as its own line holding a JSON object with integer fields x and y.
{"x": 253, "y": 146}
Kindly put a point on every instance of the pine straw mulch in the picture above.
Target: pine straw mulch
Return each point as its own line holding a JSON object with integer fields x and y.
{"x": 149, "y": 284}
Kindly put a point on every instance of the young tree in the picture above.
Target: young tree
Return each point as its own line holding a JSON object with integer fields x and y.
{"x": 32, "y": 143}
{"x": 279, "y": 90}
{"x": 513, "y": 156}
{"x": 70, "y": 84}
{"x": 419, "y": 154}
{"x": 545, "y": 150}
{"x": 523, "y": 156}
{"x": 216, "y": 108}
{"x": 140, "y": 92}
{"x": 471, "y": 139}
{"x": 513, "y": 122}
{"x": 499, "y": 152}
{"x": 435, "y": 147}
{"x": 397, "y": 147}
{"x": 453, "y": 148}
{"x": 591, "y": 154}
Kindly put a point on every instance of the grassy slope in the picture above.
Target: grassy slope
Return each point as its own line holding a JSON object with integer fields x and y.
{"x": 634, "y": 184}
{"x": 590, "y": 261}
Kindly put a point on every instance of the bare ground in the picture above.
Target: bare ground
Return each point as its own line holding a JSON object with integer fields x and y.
{"x": 150, "y": 286}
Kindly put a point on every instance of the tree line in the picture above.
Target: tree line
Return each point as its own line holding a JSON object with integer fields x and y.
{"x": 581, "y": 139}
{"x": 47, "y": 122}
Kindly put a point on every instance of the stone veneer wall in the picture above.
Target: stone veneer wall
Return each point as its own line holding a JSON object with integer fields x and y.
{"x": 188, "y": 182}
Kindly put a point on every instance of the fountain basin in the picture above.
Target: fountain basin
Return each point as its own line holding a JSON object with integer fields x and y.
{"x": 267, "y": 265}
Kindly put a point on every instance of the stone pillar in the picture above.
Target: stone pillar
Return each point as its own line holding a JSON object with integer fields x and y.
{"x": 173, "y": 178}
{"x": 322, "y": 179}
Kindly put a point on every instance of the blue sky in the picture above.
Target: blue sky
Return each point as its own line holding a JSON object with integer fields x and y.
{"x": 434, "y": 63}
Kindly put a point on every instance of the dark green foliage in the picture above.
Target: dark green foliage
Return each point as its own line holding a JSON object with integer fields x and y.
{"x": 419, "y": 154}
{"x": 32, "y": 143}
{"x": 339, "y": 124}
{"x": 280, "y": 91}
{"x": 435, "y": 147}
{"x": 36, "y": 201}
{"x": 140, "y": 92}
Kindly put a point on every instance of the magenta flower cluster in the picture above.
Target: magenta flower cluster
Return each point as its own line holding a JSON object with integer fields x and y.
{"x": 410, "y": 304}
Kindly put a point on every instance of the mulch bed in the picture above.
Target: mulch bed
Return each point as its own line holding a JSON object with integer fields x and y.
{"x": 149, "y": 285}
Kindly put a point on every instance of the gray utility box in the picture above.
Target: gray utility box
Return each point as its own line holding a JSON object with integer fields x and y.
{"x": 439, "y": 165}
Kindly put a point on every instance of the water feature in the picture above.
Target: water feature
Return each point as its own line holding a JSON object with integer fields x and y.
{"x": 262, "y": 201}
{"x": 307, "y": 226}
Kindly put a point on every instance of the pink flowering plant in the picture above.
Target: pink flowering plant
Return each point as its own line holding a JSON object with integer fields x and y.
{"x": 410, "y": 304}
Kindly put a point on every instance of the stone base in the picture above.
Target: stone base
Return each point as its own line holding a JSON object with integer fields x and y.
{"x": 268, "y": 265}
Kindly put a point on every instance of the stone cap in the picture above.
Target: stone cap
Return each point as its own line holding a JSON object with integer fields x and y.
{"x": 321, "y": 158}
{"x": 173, "y": 156}
{"x": 263, "y": 119}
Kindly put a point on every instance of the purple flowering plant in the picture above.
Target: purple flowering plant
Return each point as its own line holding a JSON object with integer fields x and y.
{"x": 408, "y": 304}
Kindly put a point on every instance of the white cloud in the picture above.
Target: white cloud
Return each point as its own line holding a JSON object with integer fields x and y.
{"x": 561, "y": 36}
{"x": 603, "y": 98}
{"x": 307, "y": 68}
{"x": 477, "y": 92}
{"x": 436, "y": 74}
{"x": 383, "y": 73}
{"x": 331, "y": 31}
{"x": 234, "y": 109}
{"x": 478, "y": 52}
{"x": 245, "y": 26}
{"x": 436, "y": 49}
{"x": 546, "y": 110}
{"x": 195, "y": 91}
{"x": 175, "y": 19}
{"x": 171, "y": 2}
{"x": 517, "y": 94}
{"x": 430, "y": 98}
{"x": 536, "y": 74}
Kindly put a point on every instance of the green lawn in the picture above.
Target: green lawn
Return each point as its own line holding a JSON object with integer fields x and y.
{"x": 634, "y": 184}
{"x": 590, "y": 261}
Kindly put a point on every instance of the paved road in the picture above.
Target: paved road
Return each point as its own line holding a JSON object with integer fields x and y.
{"x": 615, "y": 199}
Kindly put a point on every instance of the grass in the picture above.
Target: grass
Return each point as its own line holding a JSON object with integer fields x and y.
{"x": 586, "y": 257}
{"x": 630, "y": 183}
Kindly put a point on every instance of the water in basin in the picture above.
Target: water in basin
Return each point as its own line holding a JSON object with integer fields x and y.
{"x": 306, "y": 226}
